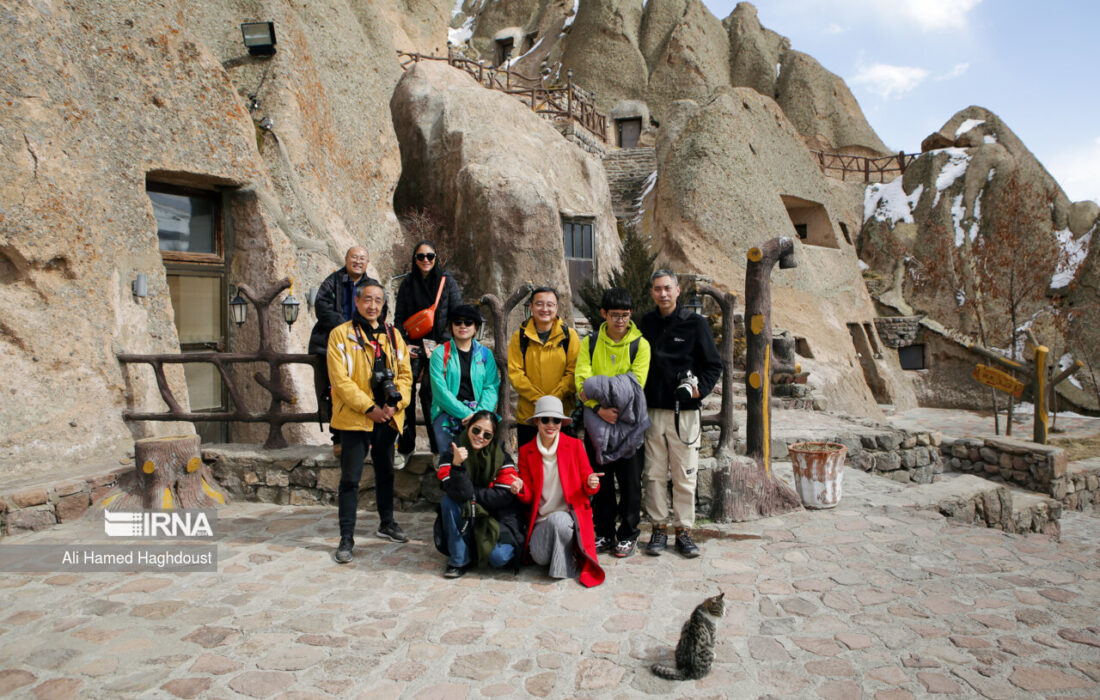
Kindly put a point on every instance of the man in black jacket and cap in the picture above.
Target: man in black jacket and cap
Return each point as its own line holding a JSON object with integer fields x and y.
{"x": 335, "y": 305}
{"x": 684, "y": 366}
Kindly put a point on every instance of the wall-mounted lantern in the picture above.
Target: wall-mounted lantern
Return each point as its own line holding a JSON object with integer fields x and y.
{"x": 237, "y": 309}
{"x": 290, "y": 309}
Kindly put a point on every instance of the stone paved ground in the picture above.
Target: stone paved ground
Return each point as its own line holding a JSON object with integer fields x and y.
{"x": 862, "y": 601}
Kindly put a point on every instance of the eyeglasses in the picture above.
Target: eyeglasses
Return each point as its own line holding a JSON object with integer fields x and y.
{"x": 464, "y": 322}
{"x": 546, "y": 420}
{"x": 478, "y": 432}
{"x": 620, "y": 318}
{"x": 425, "y": 256}
{"x": 545, "y": 304}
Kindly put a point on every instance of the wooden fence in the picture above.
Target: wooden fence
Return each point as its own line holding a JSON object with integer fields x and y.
{"x": 554, "y": 102}
{"x": 863, "y": 167}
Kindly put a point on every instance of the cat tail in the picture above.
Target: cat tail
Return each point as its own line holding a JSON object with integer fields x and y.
{"x": 672, "y": 674}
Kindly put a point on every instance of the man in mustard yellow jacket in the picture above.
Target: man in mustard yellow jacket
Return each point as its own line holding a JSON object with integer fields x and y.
{"x": 541, "y": 358}
{"x": 371, "y": 377}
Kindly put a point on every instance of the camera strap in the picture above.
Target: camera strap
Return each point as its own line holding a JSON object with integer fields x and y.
{"x": 676, "y": 421}
{"x": 376, "y": 348}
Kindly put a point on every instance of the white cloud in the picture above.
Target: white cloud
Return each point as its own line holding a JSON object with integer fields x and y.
{"x": 888, "y": 82}
{"x": 932, "y": 15}
{"x": 1077, "y": 170}
{"x": 835, "y": 28}
{"x": 955, "y": 72}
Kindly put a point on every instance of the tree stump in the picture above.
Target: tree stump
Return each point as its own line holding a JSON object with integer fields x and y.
{"x": 168, "y": 474}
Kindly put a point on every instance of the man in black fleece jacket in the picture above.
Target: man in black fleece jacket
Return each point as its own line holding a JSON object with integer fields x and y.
{"x": 680, "y": 340}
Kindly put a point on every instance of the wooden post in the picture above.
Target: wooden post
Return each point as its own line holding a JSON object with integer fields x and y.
{"x": 745, "y": 489}
{"x": 758, "y": 343}
{"x": 1039, "y": 432}
{"x": 168, "y": 474}
{"x": 499, "y": 312}
{"x": 727, "y": 423}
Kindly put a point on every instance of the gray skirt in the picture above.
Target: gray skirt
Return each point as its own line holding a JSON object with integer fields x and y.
{"x": 552, "y": 542}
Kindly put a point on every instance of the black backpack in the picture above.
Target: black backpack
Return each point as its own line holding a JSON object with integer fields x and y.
{"x": 525, "y": 341}
{"x": 594, "y": 338}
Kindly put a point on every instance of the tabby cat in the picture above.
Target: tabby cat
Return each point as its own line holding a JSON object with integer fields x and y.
{"x": 695, "y": 650}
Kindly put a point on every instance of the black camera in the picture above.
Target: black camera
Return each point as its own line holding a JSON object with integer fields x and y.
{"x": 686, "y": 382}
{"x": 385, "y": 391}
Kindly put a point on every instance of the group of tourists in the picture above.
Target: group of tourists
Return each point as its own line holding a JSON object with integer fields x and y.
{"x": 563, "y": 501}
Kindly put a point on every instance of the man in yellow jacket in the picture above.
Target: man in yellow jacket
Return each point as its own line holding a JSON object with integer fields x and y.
{"x": 371, "y": 377}
{"x": 616, "y": 349}
{"x": 541, "y": 359}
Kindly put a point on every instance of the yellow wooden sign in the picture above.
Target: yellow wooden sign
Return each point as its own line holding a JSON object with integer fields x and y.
{"x": 1001, "y": 381}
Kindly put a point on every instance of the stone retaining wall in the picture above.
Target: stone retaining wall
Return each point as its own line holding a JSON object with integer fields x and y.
{"x": 1039, "y": 468}
{"x": 999, "y": 508}
{"x": 310, "y": 475}
{"x": 902, "y": 456}
{"x": 39, "y": 507}
{"x": 1083, "y": 485}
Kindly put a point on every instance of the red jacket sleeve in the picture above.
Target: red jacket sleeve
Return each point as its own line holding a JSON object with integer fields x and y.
{"x": 583, "y": 467}
{"x": 527, "y": 493}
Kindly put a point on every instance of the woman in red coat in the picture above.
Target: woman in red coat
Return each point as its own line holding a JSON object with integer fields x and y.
{"x": 557, "y": 483}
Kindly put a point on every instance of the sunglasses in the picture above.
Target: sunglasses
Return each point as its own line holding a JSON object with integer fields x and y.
{"x": 425, "y": 256}
{"x": 478, "y": 432}
{"x": 464, "y": 322}
{"x": 546, "y": 420}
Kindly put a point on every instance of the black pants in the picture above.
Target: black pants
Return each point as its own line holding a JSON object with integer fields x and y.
{"x": 407, "y": 443}
{"x": 628, "y": 472}
{"x": 355, "y": 444}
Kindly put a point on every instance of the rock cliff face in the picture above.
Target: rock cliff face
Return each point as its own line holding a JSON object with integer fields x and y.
{"x": 661, "y": 51}
{"x": 502, "y": 177}
{"x": 974, "y": 176}
{"x": 101, "y": 98}
{"x": 716, "y": 198}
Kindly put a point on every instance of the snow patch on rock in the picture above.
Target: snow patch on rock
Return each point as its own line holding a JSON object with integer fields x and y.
{"x": 888, "y": 202}
{"x": 1074, "y": 252}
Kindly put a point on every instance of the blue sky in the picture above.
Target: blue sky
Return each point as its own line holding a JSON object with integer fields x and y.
{"x": 913, "y": 63}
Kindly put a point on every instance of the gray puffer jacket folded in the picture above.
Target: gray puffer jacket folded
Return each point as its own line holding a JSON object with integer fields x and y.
{"x": 622, "y": 439}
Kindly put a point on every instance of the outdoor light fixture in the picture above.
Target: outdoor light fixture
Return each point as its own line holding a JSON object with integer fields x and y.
{"x": 695, "y": 302}
{"x": 140, "y": 285}
{"x": 259, "y": 38}
{"x": 290, "y": 309}
{"x": 237, "y": 309}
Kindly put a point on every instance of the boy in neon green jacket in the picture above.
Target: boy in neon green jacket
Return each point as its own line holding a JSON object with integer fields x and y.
{"x": 615, "y": 349}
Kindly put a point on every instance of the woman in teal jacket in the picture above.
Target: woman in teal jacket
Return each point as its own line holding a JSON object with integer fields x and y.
{"x": 464, "y": 379}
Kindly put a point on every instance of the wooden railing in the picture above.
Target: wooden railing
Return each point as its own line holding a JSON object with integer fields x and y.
{"x": 554, "y": 102}
{"x": 863, "y": 167}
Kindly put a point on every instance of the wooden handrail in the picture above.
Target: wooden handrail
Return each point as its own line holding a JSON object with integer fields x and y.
{"x": 864, "y": 166}
{"x": 558, "y": 102}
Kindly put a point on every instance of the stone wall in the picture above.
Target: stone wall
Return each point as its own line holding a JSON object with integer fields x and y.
{"x": 1039, "y": 468}
{"x": 628, "y": 171}
{"x": 897, "y": 331}
{"x": 310, "y": 475}
{"x": 36, "y": 507}
{"x": 1083, "y": 485}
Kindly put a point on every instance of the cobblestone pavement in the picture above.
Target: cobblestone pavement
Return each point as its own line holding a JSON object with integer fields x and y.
{"x": 861, "y": 601}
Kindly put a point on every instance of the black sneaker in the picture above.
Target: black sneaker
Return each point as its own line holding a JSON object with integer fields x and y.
{"x": 603, "y": 545}
{"x": 454, "y": 571}
{"x": 625, "y": 548}
{"x": 685, "y": 546}
{"x": 391, "y": 531}
{"x": 657, "y": 542}
{"x": 343, "y": 551}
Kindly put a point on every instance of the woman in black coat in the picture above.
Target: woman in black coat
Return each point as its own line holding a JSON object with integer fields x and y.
{"x": 418, "y": 291}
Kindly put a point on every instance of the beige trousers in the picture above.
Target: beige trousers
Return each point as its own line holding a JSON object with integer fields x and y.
{"x": 666, "y": 457}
